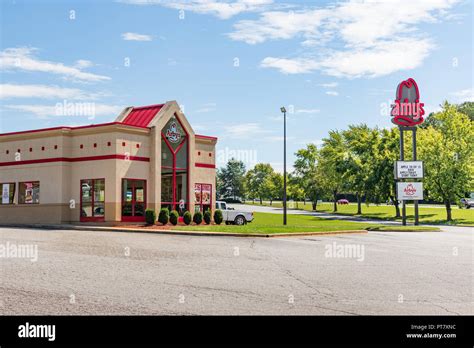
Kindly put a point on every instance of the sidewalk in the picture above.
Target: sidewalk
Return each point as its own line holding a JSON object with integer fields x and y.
{"x": 173, "y": 232}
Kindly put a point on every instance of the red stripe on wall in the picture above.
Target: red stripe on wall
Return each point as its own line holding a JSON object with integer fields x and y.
{"x": 205, "y": 165}
{"x": 75, "y": 159}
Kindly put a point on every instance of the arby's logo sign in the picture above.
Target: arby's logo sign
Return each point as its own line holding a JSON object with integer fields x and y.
{"x": 407, "y": 110}
{"x": 172, "y": 134}
{"x": 410, "y": 190}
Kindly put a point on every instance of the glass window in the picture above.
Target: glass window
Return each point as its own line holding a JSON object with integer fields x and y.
{"x": 139, "y": 196}
{"x": 86, "y": 188}
{"x": 99, "y": 198}
{"x": 166, "y": 187}
{"x": 92, "y": 198}
{"x": 29, "y": 192}
{"x": 166, "y": 155}
{"x": 8, "y": 193}
{"x": 127, "y": 197}
{"x": 181, "y": 186}
{"x": 182, "y": 156}
{"x": 174, "y": 164}
{"x": 133, "y": 198}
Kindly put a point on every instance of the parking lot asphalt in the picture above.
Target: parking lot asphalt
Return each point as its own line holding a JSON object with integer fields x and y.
{"x": 87, "y": 272}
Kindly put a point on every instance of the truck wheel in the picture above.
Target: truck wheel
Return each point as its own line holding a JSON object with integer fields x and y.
{"x": 240, "y": 220}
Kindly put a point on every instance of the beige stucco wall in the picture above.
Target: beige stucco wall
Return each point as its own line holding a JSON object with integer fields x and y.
{"x": 60, "y": 181}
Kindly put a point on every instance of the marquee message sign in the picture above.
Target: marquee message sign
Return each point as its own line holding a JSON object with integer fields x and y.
{"x": 408, "y": 169}
{"x": 407, "y": 110}
{"x": 408, "y": 191}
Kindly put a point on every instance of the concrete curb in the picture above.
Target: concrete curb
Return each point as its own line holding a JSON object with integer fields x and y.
{"x": 176, "y": 232}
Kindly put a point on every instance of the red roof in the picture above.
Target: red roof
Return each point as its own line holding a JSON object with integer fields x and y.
{"x": 142, "y": 116}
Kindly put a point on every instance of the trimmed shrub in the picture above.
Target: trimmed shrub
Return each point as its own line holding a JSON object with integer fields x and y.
{"x": 197, "y": 218}
{"x": 150, "y": 216}
{"x": 174, "y": 217}
{"x": 218, "y": 218}
{"x": 207, "y": 217}
{"x": 187, "y": 217}
{"x": 164, "y": 216}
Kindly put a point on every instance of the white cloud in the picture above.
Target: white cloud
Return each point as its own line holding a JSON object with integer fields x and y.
{"x": 385, "y": 58}
{"x": 333, "y": 93}
{"x": 82, "y": 63}
{"x": 8, "y": 90}
{"x": 356, "y": 22}
{"x": 290, "y": 66}
{"x": 368, "y": 38}
{"x": 220, "y": 9}
{"x": 278, "y": 25}
{"x": 465, "y": 95}
{"x": 245, "y": 130}
{"x": 136, "y": 37}
{"x": 22, "y": 58}
{"x": 329, "y": 85}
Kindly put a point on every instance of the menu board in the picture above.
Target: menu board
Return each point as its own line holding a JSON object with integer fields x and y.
{"x": 140, "y": 195}
{"x": 206, "y": 194}
{"x": 197, "y": 193}
{"x": 28, "y": 193}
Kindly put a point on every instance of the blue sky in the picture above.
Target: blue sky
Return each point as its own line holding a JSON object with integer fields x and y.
{"x": 232, "y": 64}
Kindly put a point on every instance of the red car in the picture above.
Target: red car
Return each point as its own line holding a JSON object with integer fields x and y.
{"x": 343, "y": 201}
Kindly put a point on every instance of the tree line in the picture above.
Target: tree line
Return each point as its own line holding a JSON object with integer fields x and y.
{"x": 360, "y": 161}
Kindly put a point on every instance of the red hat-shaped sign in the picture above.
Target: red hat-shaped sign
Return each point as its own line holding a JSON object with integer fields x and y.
{"x": 407, "y": 110}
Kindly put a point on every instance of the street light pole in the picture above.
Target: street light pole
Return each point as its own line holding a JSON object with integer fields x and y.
{"x": 284, "y": 164}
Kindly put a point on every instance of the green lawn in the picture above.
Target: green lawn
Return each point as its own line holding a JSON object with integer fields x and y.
{"x": 268, "y": 223}
{"x": 428, "y": 215}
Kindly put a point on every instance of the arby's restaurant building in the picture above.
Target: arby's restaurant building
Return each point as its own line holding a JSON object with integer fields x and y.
{"x": 148, "y": 158}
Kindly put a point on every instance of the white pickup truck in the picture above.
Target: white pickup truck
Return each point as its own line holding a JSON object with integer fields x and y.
{"x": 232, "y": 216}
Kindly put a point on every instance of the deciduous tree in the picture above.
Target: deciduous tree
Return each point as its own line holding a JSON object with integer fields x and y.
{"x": 448, "y": 154}
{"x": 230, "y": 179}
{"x": 258, "y": 181}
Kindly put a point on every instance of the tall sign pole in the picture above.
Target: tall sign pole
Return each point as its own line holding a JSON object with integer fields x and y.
{"x": 415, "y": 202}
{"x": 402, "y": 158}
{"x": 407, "y": 113}
{"x": 283, "y": 110}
